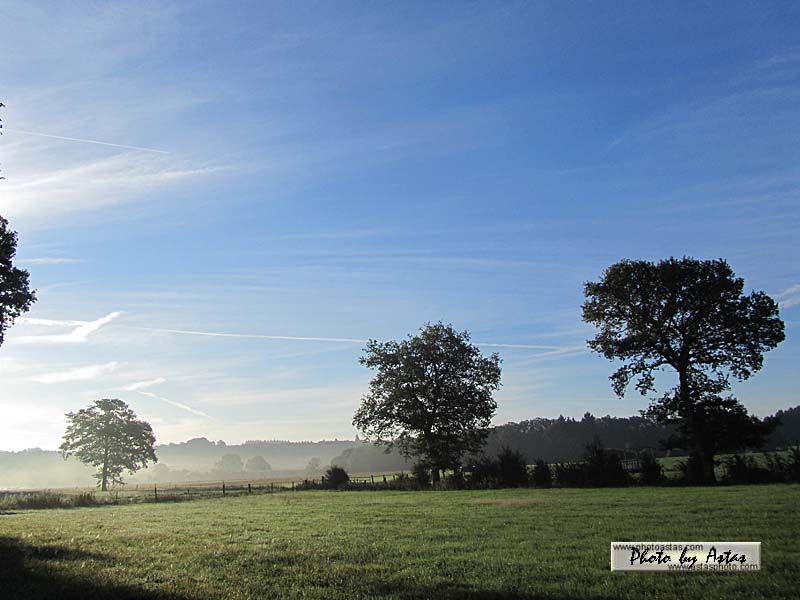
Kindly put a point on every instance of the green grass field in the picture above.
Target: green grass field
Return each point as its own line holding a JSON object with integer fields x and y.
{"x": 461, "y": 544}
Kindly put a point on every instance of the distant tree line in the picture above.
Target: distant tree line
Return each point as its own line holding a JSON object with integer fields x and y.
{"x": 565, "y": 439}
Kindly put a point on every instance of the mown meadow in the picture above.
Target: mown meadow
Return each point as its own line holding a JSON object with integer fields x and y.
{"x": 520, "y": 543}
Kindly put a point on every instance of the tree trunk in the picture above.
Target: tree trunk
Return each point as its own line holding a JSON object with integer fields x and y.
{"x": 701, "y": 463}
{"x": 434, "y": 476}
{"x": 104, "y": 484}
{"x": 701, "y": 456}
{"x": 708, "y": 467}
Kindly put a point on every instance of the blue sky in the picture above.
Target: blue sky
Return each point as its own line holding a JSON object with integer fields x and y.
{"x": 344, "y": 171}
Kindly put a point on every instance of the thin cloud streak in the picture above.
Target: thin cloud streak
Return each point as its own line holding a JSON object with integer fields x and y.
{"x": 77, "y": 336}
{"x": 140, "y": 385}
{"x": 78, "y": 374}
{"x": 255, "y": 336}
{"x": 48, "y": 260}
{"x": 85, "y": 141}
{"x": 49, "y": 322}
{"x": 330, "y": 339}
{"x": 519, "y": 346}
{"x": 177, "y": 404}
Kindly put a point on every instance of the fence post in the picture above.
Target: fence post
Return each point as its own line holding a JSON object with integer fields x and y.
{"x": 372, "y": 478}
{"x": 223, "y": 488}
{"x": 155, "y": 492}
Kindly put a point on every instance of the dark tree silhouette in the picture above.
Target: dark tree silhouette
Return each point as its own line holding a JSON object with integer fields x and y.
{"x": 689, "y": 315}
{"x": 109, "y": 436}
{"x": 15, "y": 295}
{"x": 336, "y": 477}
{"x": 431, "y": 396}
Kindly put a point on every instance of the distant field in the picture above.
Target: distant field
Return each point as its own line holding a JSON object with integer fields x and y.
{"x": 672, "y": 470}
{"x": 478, "y": 544}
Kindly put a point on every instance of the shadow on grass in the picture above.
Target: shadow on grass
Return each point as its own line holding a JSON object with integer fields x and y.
{"x": 28, "y": 572}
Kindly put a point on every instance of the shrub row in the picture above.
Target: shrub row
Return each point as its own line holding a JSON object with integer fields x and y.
{"x": 743, "y": 469}
{"x": 37, "y": 500}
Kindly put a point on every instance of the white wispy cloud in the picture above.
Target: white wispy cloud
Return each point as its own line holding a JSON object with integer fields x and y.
{"x": 140, "y": 385}
{"x": 180, "y": 405}
{"x": 790, "y": 296}
{"x": 77, "y": 374}
{"x": 81, "y": 333}
{"x": 50, "y": 260}
{"x": 45, "y": 193}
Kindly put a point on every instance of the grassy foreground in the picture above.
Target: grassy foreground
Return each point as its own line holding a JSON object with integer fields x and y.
{"x": 479, "y": 544}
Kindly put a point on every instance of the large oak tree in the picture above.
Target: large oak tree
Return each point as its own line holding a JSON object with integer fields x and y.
{"x": 691, "y": 316}
{"x": 431, "y": 396}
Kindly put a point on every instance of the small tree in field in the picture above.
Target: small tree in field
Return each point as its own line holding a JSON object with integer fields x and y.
{"x": 336, "y": 477}
{"x": 691, "y": 316}
{"x": 229, "y": 465}
{"x": 108, "y": 435}
{"x": 431, "y": 396}
{"x": 258, "y": 465}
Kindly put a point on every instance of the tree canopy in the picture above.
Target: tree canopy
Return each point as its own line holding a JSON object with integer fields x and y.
{"x": 230, "y": 465}
{"x": 689, "y": 315}
{"x": 431, "y": 396}
{"x": 15, "y": 295}
{"x": 109, "y": 436}
{"x": 258, "y": 464}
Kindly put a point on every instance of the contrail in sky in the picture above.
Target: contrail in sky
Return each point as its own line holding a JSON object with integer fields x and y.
{"x": 178, "y": 404}
{"x": 256, "y": 336}
{"x": 84, "y": 141}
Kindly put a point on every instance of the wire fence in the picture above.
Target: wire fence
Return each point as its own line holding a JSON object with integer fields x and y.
{"x": 180, "y": 491}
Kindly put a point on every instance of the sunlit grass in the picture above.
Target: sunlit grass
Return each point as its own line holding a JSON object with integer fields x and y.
{"x": 480, "y": 544}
